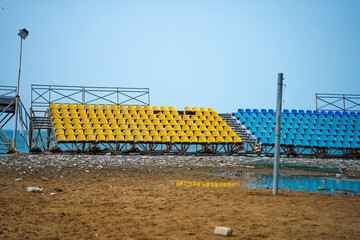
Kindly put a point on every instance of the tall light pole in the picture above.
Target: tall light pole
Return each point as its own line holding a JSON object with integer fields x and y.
{"x": 23, "y": 33}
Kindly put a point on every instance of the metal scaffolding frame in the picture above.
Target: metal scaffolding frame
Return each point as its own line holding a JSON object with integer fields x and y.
{"x": 337, "y": 102}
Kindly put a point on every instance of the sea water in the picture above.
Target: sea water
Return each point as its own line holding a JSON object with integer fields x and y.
{"x": 20, "y": 143}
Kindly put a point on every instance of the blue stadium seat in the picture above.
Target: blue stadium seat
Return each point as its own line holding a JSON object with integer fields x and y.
{"x": 331, "y": 138}
{"x": 288, "y": 141}
{"x": 309, "y": 111}
{"x": 321, "y": 143}
{"x": 255, "y": 110}
{"x": 286, "y": 111}
{"x": 338, "y": 113}
{"x": 254, "y": 115}
{"x": 255, "y": 124}
{"x": 258, "y": 119}
{"x": 291, "y": 115}
{"x": 294, "y": 111}
{"x": 309, "y": 131}
{"x": 297, "y": 142}
{"x": 332, "y": 132}
{"x": 315, "y": 137}
{"x": 348, "y": 138}
{"x": 293, "y": 130}
{"x": 316, "y": 112}
{"x": 248, "y": 110}
{"x": 297, "y": 120}
{"x": 245, "y": 114}
{"x": 266, "y": 134}
{"x": 339, "y": 138}
{"x": 268, "y": 115}
{"x": 355, "y": 145}
{"x": 295, "y": 125}
{"x": 338, "y": 144}
{"x": 346, "y": 144}
{"x": 272, "y": 140}
{"x": 240, "y": 110}
{"x": 271, "y": 111}
{"x": 250, "y": 119}
{"x": 330, "y": 144}
{"x": 305, "y": 143}
{"x": 263, "y": 124}
{"x": 261, "y": 129}
{"x": 301, "y": 111}
{"x": 323, "y": 113}
{"x": 264, "y": 140}
{"x": 258, "y": 135}
{"x": 307, "y": 137}
{"x": 299, "y": 136}
{"x": 242, "y": 119}
{"x": 324, "y": 138}
{"x": 291, "y": 136}
{"x": 253, "y": 129}
{"x": 282, "y": 135}
{"x": 331, "y": 113}
{"x": 352, "y": 113}
{"x": 313, "y": 143}
{"x": 264, "y": 111}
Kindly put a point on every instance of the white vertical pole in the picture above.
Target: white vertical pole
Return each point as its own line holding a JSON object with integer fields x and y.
{"x": 277, "y": 134}
{"x": 17, "y": 102}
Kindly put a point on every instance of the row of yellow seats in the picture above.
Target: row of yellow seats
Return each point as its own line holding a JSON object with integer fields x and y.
{"x": 139, "y": 138}
{"x": 129, "y": 107}
{"x": 145, "y": 132}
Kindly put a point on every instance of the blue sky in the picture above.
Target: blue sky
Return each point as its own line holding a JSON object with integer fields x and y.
{"x": 222, "y": 54}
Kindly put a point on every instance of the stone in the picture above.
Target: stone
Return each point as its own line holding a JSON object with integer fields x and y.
{"x": 34, "y": 189}
{"x": 19, "y": 180}
{"x": 224, "y": 231}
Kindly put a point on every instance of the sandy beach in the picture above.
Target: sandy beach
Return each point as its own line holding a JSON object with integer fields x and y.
{"x": 134, "y": 197}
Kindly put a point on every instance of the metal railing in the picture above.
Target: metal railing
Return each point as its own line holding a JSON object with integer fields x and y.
{"x": 337, "y": 102}
{"x": 43, "y": 95}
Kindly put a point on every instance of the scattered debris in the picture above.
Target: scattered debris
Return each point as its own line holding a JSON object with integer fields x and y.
{"x": 19, "y": 180}
{"x": 34, "y": 189}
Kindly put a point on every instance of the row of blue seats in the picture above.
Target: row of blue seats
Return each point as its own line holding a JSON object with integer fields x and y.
{"x": 310, "y": 137}
{"x": 299, "y": 116}
{"x": 299, "y": 127}
{"x": 294, "y": 111}
{"x": 312, "y": 143}
{"x": 299, "y": 121}
{"x": 319, "y": 132}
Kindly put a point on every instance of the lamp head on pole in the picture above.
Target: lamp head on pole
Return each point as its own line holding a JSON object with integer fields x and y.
{"x": 23, "y": 33}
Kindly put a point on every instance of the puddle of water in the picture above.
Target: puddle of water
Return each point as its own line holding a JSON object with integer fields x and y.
{"x": 302, "y": 183}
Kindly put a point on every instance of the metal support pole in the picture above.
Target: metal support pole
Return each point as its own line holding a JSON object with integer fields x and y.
{"x": 277, "y": 134}
{"x": 17, "y": 102}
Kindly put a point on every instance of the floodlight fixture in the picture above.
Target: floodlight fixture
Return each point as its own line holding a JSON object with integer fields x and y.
{"x": 23, "y": 33}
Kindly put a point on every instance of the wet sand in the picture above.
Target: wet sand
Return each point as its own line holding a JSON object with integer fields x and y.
{"x": 136, "y": 201}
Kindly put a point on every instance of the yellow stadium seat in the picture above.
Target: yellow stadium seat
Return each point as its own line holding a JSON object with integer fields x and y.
{"x": 81, "y": 138}
{"x": 79, "y": 106}
{"x": 202, "y": 109}
{"x": 71, "y": 106}
{"x": 219, "y": 139}
{"x": 189, "y": 133}
{"x": 177, "y": 128}
{"x": 194, "y": 118}
{"x": 180, "y": 133}
{"x": 223, "y": 133}
{"x": 133, "y": 126}
{"x": 165, "y": 112}
{"x": 117, "y": 132}
{"x": 62, "y": 105}
{"x": 86, "y": 126}
{"x": 109, "y": 116}
{"x": 175, "y": 139}
{"x": 99, "y": 113}
{"x": 96, "y": 126}
{"x": 227, "y": 128}
{"x": 195, "y": 109}
{"x": 157, "y": 139}
{"x": 214, "y": 114}
{"x": 107, "y": 132}
{"x": 139, "y": 122}
{"x": 57, "y": 120}
{"x": 184, "y": 139}
{"x": 210, "y": 110}
{"x": 198, "y": 123}
{"x": 193, "y": 139}
{"x": 148, "y": 122}
{"x": 163, "y": 108}
{"x": 168, "y": 127}
{"x": 105, "y": 106}
{"x": 53, "y": 105}
{"x": 203, "y": 128}
{"x": 232, "y": 133}
{"x": 88, "y": 131}
{"x": 100, "y": 137}
{"x": 173, "y": 123}
{"x": 162, "y": 133}
{"x": 149, "y": 112}
{"x": 223, "y": 124}
{"x": 139, "y": 138}
{"x": 174, "y": 113}
{"x": 237, "y": 139}
{"x": 83, "y": 116}
{"x": 161, "y": 117}
{"x": 71, "y": 138}
{"x": 218, "y": 118}
{"x": 97, "y": 106}
{"x": 219, "y": 128}
{"x": 88, "y": 106}
{"x": 67, "y": 126}
{"x": 139, "y": 107}
{"x": 64, "y": 115}
{"x": 122, "y": 107}
{"x": 164, "y": 122}
{"x": 154, "y": 133}
{"x": 166, "y": 139}
{"x": 177, "y": 118}
{"x": 152, "y": 117}
{"x": 194, "y": 127}
{"x": 147, "y": 138}
{"x": 110, "y": 137}
{"x": 130, "y": 107}
{"x": 211, "y": 139}
{"x": 207, "y": 123}
{"x": 215, "y": 123}
{"x": 136, "y": 132}
{"x": 118, "y": 116}
{"x": 206, "y": 114}
{"x": 145, "y": 132}
{"x": 54, "y": 110}
{"x": 171, "y": 108}
{"x": 124, "y": 126}
{"x": 228, "y": 139}
{"x": 94, "y": 120}
{"x": 215, "y": 133}
{"x": 202, "y": 118}
{"x": 197, "y": 133}
{"x": 185, "y": 117}
{"x": 59, "y": 132}
{"x": 181, "y": 122}
{"x": 79, "y": 132}
{"x": 207, "y": 133}
{"x": 198, "y": 113}
{"x": 171, "y": 133}
{"x": 150, "y": 127}
{"x": 121, "y": 121}
{"x": 66, "y": 120}
{"x": 127, "y": 116}
{"x": 202, "y": 139}
{"x": 130, "y": 121}
{"x": 75, "y": 120}
{"x": 126, "y": 132}
{"x": 155, "y": 108}
{"x": 144, "y": 116}
{"x": 187, "y": 109}
{"x": 132, "y": 112}
{"x": 99, "y": 132}
{"x": 90, "y": 137}
{"x": 129, "y": 138}
{"x": 90, "y": 111}
{"x": 120, "y": 138}
{"x": 55, "y": 115}
{"x": 113, "y": 107}
{"x": 159, "y": 127}
{"x": 156, "y": 122}
{"x": 185, "y": 128}
{"x": 141, "y": 127}
{"x": 147, "y": 107}
{"x": 112, "y": 121}
{"x": 60, "y": 138}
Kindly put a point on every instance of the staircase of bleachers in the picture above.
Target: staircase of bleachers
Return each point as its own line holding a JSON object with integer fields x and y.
{"x": 7, "y": 111}
{"x": 142, "y": 129}
{"x": 305, "y": 132}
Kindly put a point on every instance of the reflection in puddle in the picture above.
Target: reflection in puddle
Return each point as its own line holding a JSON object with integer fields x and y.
{"x": 303, "y": 183}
